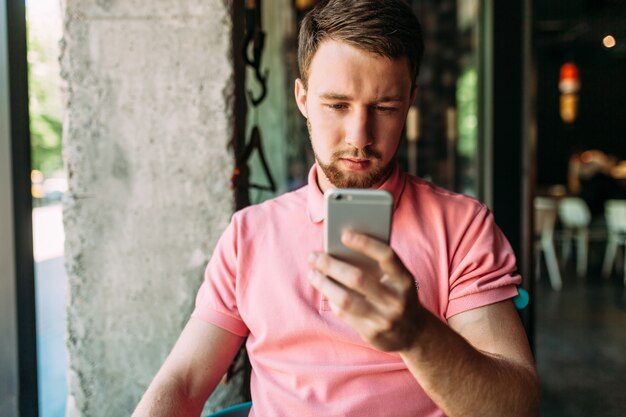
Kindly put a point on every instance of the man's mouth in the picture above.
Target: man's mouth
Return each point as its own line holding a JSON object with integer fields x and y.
{"x": 356, "y": 164}
{"x": 357, "y": 160}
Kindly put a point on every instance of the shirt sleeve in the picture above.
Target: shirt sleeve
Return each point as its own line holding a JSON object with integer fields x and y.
{"x": 216, "y": 301}
{"x": 483, "y": 269}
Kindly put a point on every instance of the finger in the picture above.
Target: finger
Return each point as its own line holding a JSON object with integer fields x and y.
{"x": 350, "y": 307}
{"x": 388, "y": 261}
{"x": 343, "y": 300}
{"x": 351, "y": 277}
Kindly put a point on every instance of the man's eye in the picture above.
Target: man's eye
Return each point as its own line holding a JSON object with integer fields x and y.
{"x": 385, "y": 109}
{"x": 337, "y": 106}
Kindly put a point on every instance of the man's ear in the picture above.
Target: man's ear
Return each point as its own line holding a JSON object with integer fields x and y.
{"x": 300, "y": 93}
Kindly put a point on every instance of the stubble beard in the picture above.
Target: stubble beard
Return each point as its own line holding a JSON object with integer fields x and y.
{"x": 342, "y": 179}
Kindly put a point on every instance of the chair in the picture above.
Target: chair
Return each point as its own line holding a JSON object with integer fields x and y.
{"x": 615, "y": 215}
{"x": 545, "y": 219}
{"x": 575, "y": 218}
{"x": 239, "y": 410}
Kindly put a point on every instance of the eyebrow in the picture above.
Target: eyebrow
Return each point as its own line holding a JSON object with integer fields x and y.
{"x": 336, "y": 96}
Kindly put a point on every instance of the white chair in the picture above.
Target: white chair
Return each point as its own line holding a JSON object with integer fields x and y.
{"x": 575, "y": 218}
{"x": 545, "y": 219}
{"x": 615, "y": 215}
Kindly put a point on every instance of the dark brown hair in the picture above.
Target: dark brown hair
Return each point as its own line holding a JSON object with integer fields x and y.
{"x": 385, "y": 27}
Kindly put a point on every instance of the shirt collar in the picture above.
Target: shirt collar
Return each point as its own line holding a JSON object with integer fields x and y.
{"x": 315, "y": 198}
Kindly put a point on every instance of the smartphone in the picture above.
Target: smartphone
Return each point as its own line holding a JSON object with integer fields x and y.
{"x": 360, "y": 210}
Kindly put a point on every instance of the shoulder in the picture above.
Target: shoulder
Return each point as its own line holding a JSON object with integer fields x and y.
{"x": 430, "y": 197}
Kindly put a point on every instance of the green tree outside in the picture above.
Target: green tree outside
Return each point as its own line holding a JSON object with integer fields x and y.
{"x": 44, "y": 87}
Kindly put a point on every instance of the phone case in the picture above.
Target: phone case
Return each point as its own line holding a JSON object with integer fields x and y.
{"x": 361, "y": 210}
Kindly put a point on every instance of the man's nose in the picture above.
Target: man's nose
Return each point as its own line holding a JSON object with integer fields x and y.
{"x": 359, "y": 130}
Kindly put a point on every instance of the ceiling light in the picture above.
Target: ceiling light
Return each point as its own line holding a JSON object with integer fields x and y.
{"x": 608, "y": 41}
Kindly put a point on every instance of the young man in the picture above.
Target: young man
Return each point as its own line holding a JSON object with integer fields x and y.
{"x": 434, "y": 334}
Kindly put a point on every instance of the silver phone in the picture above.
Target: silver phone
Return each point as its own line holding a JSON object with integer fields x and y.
{"x": 360, "y": 210}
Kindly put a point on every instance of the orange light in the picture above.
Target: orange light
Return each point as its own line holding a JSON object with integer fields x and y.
{"x": 569, "y": 85}
{"x": 609, "y": 41}
{"x": 303, "y": 5}
{"x": 568, "y": 107}
{"x": 586, "y": 157}
{"x": 569, "y": 71}
{"x": 568, "y": 80}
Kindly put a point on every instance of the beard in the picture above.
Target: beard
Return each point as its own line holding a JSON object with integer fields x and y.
{"x": 342, "y": 179}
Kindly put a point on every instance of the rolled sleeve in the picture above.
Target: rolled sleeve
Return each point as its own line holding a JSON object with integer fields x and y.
{"x": 216, "y": 301}
{"x": 484, "y": 267}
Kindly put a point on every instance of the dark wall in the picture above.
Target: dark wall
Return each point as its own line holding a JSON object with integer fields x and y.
{"x": 601, "y": 121}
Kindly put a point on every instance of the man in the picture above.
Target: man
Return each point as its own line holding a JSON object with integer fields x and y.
{"x": 434, "y": 334}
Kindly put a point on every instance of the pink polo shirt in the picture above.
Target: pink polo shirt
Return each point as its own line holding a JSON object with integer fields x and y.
{"x": 307, "y": 362}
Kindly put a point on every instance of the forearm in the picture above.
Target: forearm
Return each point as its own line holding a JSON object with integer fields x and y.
{"x": 167, "y": 398}
{"x": 463, "y": 381}
{"x": 191, "y": 372}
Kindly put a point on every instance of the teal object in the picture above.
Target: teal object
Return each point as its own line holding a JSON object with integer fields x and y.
{"x": 522, "y": 299}
{"x": 239, "y": 410}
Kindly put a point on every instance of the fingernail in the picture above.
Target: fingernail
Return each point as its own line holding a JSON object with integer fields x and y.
{"x": 312, "y": 257}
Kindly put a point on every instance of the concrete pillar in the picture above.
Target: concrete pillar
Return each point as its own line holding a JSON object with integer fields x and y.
{"x": 150, "y": 98}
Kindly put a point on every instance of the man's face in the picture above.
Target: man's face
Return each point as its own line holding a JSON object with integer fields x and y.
{"x": 355, "y": 104}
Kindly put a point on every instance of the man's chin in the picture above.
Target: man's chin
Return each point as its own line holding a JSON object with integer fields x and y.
{"x": 344, "y": 180}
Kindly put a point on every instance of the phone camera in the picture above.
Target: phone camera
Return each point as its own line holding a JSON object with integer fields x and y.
{"x": 338, "y": 196}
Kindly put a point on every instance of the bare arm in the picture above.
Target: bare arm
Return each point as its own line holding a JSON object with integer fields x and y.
{"x": 479, "y": 365}
{"x": 191, "y": 372}
{"x": 486, "y": 369}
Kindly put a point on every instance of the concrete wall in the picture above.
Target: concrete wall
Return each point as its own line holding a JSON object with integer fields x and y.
{"x": 149, "y": 116}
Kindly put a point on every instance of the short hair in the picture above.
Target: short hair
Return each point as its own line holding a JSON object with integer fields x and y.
{"x": 385, "y": 27}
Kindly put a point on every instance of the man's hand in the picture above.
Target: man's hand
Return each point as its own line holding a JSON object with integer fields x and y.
{"x": 380, "y": 304}
{"x": 490, "y": 353}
